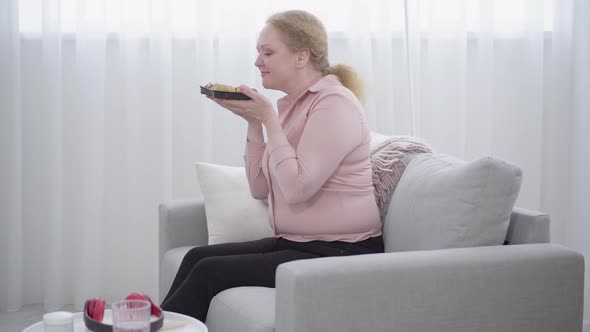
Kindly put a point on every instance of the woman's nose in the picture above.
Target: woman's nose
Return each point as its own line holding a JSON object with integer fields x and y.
{"x": 258, "y": 62}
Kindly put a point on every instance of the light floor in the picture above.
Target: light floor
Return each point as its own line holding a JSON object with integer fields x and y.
{"x": 28, "y": 315}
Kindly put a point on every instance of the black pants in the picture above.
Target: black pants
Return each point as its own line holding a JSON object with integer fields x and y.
{"x": 208, "y": 270}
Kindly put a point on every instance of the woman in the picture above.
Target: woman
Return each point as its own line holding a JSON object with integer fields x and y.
{"x": 314, "y": 168}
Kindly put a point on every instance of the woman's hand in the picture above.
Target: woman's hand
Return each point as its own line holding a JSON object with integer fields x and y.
{"x": 258, "y": 109}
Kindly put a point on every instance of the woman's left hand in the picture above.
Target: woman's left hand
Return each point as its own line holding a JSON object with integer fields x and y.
{"x": 259, "y": 108}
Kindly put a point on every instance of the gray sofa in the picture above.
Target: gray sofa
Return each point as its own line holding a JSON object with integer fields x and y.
{"x": 529, "y": 285}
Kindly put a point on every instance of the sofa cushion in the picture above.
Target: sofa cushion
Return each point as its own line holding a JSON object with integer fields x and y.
{"x": 388, "y": 162}
{"x": 243, "y": 309}
{"x": 377, "y": 139}
{"x": 442, "y": 202}
{"x": 232, "y": 214}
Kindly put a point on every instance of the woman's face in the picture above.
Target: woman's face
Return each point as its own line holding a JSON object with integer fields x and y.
{"x": 275, "y": 61}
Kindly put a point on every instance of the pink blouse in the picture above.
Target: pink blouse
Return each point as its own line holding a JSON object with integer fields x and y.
{"x": 317, "y": 175}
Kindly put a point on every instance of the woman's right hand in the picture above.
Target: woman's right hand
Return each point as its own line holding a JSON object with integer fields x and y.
{"x": 236, "y": 111}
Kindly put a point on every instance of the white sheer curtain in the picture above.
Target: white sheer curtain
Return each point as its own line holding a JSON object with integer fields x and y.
{"x": 101, "y": 117}
{"x": 578, "y": 229}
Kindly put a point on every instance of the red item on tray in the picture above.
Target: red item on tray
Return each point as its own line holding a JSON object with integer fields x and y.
{"x": 156, "y": 311}
{"x": 95, "y": 308}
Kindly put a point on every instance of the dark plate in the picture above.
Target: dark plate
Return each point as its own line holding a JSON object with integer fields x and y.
{"x": 223, "y": 94}
{"x": 96, "y": 326}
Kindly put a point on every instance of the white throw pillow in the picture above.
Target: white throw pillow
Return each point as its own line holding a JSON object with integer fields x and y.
{"x": 232, "y": 214}
{"x": 442, "y": 202}
{"x": 377, "y": 139}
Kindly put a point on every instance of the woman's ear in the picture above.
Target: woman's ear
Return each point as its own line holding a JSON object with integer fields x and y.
{"x": 302, "y": 57}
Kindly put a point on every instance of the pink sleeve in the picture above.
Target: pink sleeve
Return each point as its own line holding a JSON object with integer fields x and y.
{"x": 333, "y": 129}
{"x": 253, "y": 162}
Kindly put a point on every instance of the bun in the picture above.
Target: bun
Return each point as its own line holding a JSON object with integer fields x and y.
{"x": 223, "y": 87}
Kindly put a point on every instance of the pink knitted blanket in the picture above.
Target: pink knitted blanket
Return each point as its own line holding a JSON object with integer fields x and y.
{"x": 387, "y": 161}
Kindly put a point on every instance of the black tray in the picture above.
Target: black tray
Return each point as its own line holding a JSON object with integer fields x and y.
{"x": 96, "y": 326}
{"x": 224, "y": 94}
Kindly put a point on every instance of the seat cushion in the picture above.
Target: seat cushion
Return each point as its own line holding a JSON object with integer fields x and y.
{"x": 443, "y": 202}
{"x": 247, "y": 309}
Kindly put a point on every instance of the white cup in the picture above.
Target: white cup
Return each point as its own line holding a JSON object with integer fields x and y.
{"x": 58, "y": 321}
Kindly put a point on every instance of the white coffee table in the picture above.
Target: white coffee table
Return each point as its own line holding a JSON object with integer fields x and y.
{"x": 173, "y": 322}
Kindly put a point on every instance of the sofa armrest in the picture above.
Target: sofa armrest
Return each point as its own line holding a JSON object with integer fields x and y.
{"x": 528, "y": 226}
{"x": 182, "y": 223}
{"x": 526, "y": 288}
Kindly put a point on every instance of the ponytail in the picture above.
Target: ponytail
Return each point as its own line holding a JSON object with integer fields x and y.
{"x": 349, "y": 78}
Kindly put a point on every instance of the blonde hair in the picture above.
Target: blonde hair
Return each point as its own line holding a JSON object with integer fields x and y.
{"x": 304, "y": 30}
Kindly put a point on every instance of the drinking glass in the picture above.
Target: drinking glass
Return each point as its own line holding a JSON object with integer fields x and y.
{"x": 131, "y": 316}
